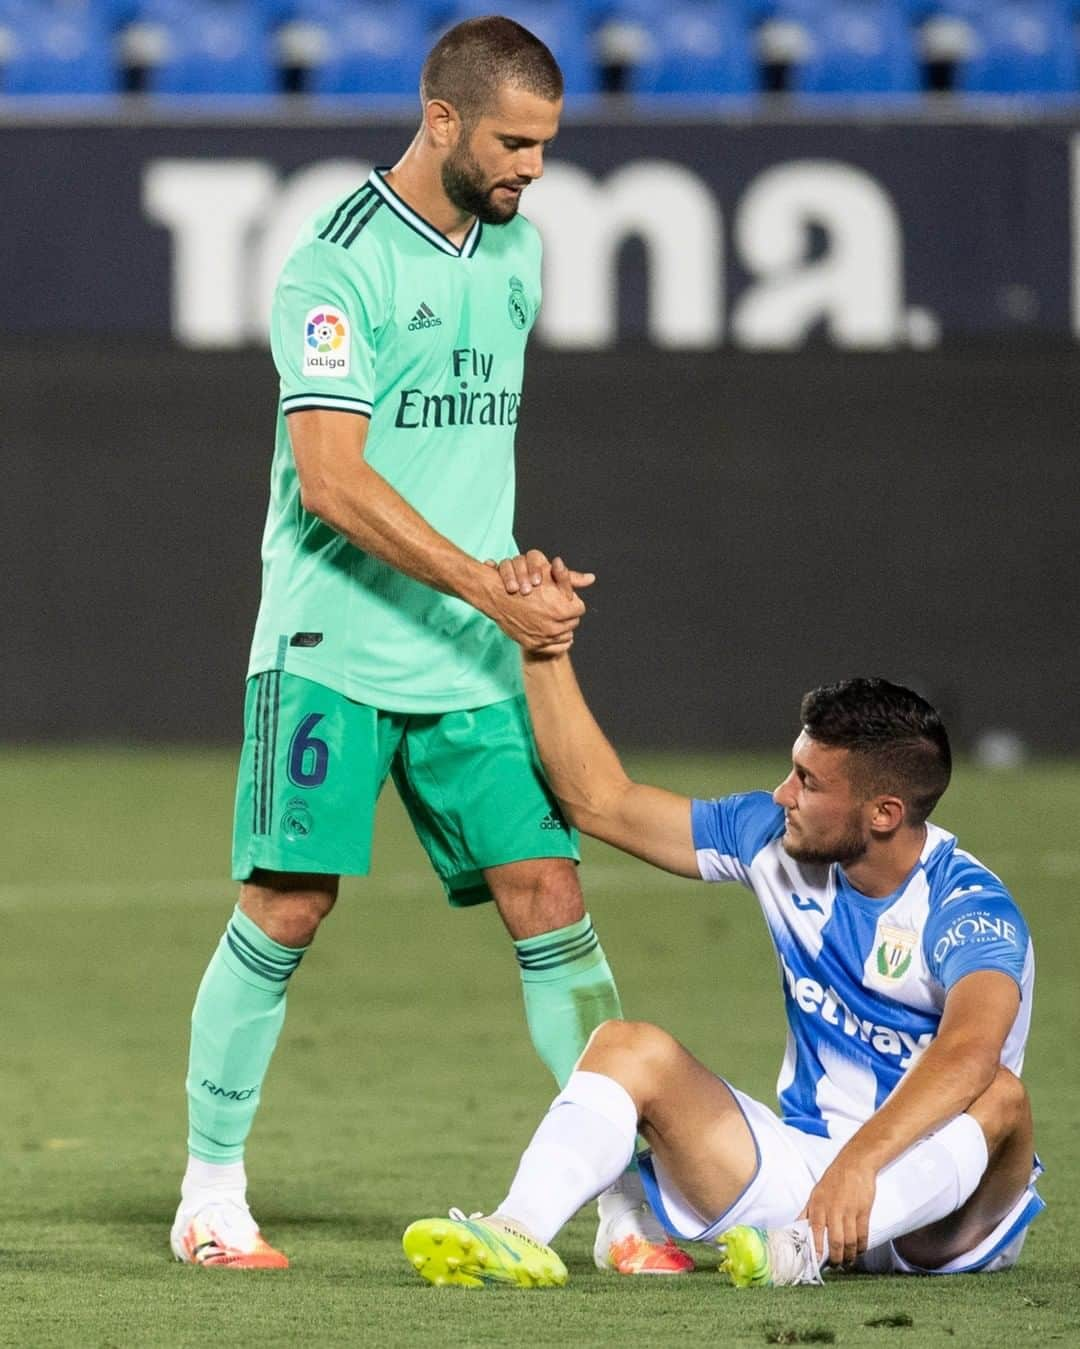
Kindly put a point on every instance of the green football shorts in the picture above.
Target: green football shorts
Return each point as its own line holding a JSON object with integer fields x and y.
{"x": 314, "y": 762}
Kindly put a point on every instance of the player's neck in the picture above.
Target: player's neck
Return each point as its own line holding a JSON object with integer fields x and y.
{"x": 418, "y": 182}
{"x": 885, "y": 866}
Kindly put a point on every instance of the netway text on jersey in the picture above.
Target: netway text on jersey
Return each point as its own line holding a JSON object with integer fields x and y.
{"x": 814, "y": 999}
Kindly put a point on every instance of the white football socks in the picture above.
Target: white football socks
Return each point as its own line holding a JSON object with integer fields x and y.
{"x": 205, "y": 1179}
{"x": 929, "y": 1181}
{"x": 583, "y": 1143}
{"x": 624, "y": 1198}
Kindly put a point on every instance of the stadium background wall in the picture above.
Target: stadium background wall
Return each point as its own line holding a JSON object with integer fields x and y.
{"x": 803, "y": 393}
{"x": 759, "y": 524}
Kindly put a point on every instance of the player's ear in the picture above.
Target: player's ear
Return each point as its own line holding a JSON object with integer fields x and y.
{"x": 887, "y": 814}
{"x": 442, "y": 123}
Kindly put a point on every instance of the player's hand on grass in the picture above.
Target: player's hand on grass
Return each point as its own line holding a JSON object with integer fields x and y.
{"x": 838, "y": 1210}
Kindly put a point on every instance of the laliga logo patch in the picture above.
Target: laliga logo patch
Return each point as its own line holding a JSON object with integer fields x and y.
{"x": 326, "y": 342}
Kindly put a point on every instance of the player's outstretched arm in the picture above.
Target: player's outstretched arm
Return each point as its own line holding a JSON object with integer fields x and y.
{"x": 342, "y": 489}
{"x": 586, "y": 775}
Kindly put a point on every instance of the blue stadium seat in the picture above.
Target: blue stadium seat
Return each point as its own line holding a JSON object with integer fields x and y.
{"x": 1021, "y": 46}
{"x": 372, "y": 46}
{"x": 110, "y": 14}
{"x": 599, "y": 11}
{"x": 972, "y": 9}
{"x": 857, "y": 47}
{"x": 267, "y": 13}
{"x": 757, "y": 11}
{"x": 211, "y": 47}
{"x": 273, "y": 13}
{"x": 695, "y": 47}
{"x": 104, "y": 14}
{"x": 59, "y": 51}
{"x": 562, "y": 24}
{"x": 802, "y": 10}
{"x": 436, "y": 14}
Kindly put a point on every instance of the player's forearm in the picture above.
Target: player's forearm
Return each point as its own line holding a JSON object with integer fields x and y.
{"x": 943, "y": 1084}
{"x": 582, "y": 767}
{"x": 377, "y": 519}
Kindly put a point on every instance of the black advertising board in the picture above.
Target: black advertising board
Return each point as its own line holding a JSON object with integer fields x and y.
{"x": 753, "y": 235}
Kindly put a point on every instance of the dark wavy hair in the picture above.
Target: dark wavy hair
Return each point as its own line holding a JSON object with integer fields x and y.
{"x": 897, "y": 741}
{"x": 473, "y": 60}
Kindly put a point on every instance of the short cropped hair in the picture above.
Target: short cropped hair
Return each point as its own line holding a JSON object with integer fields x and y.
{"x": 897, "y": 741}
{"x": 473, "y": 60}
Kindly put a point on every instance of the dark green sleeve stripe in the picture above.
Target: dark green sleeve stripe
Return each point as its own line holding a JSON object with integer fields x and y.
{"x": 315, "y": 404}
{"x": 358, "y": 205}
{"x": 360, "y": 192}
{"x": 361, "y": 223}
{"x": 330, "y": 397}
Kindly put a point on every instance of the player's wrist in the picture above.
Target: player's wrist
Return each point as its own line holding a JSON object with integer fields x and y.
{"x": 543, "y": 659}
{"x": 481, "y": 586}
{"x": 866, "y": 1154}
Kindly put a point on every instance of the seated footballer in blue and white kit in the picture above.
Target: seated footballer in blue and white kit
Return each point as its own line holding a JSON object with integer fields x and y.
{"x": 904, "y": 1138}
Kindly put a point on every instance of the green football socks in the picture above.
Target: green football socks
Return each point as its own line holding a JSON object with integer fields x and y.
{"x": 240, "y": 1009}
{"x": 239, "y": 1012}
{"x": 569, "y": 990}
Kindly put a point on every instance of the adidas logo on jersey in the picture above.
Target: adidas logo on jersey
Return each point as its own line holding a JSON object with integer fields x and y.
{"x": 552, "y": 820}
{"x": 424, "y": 318}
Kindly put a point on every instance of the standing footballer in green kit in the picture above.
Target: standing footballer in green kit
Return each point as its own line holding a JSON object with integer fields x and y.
{"x": 384, "y": 645}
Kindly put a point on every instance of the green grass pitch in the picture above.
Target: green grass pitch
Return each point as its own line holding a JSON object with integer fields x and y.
{"x": 405, "y": 1082}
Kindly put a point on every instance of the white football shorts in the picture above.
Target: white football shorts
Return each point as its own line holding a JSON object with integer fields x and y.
{"x": 790, "y": 1163}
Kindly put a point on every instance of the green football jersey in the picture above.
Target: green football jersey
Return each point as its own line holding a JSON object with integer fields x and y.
{"x": 377, "y": 314}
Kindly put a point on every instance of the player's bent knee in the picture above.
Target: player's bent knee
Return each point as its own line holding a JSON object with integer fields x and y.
{"x": 636, "y": 1054}
{"x": 608, "y": 1037}
{"x": 1003, "y": 1108}
{"x": 646, "y": 1045}
{"x": 1014, "y": 1093}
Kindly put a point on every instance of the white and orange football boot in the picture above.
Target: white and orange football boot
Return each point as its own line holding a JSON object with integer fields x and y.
{"x": 635, "y": 1254}
{"x": 220, "y": 1233}
{"x": 629, "y": 1238}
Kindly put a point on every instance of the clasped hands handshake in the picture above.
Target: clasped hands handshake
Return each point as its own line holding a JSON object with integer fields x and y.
{"x": 538, "y": 604}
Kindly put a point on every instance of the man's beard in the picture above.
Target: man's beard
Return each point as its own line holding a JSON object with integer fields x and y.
{"x": 848, "y": 848}
{"x": 463, "y": 183}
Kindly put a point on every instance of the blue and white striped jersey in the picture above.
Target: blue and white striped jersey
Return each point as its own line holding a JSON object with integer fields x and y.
{"x": 864, "y": 980}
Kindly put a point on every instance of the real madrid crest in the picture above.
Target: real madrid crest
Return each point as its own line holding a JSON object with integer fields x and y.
{"x": 517, "y": 305}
